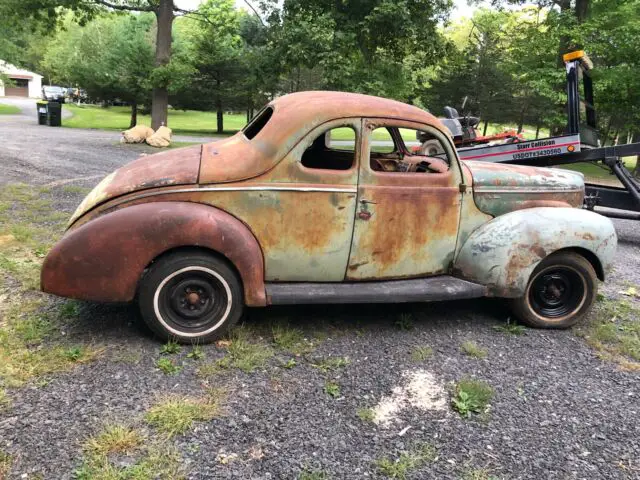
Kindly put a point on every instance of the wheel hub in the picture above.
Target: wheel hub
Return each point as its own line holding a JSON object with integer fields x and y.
{"x": 193, "y": 299}
{"x": 557, "y": 292}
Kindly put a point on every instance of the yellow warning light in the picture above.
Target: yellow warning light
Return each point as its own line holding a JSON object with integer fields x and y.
{"x": 571, "y": 148}
{"x": 579, "y": 55}
{"x": 567, "y": 57}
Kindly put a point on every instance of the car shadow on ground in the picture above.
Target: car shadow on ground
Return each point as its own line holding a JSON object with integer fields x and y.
{"x": 109, "y": 323}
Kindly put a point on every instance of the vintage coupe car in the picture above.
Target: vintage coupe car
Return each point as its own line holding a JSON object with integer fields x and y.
{"x": 321, "y": 198}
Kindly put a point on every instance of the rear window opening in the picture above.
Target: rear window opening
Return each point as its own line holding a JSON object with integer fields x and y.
{"x": 257, "y": 123}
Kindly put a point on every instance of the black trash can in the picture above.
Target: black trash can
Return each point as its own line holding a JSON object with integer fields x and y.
{"x": 54, "y": 114}
{"x": 42, "y": 112}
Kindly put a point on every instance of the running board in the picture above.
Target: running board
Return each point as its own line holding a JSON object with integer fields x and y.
{"x": 430, "y": 289}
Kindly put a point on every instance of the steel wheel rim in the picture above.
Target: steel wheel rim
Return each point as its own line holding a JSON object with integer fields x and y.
{"x": 557, "y": 291}
{"x": 171, "y": 298}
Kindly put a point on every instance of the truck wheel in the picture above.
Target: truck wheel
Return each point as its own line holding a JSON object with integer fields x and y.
{"x": 191, "y": 297}
{"x": 560, "y": 292}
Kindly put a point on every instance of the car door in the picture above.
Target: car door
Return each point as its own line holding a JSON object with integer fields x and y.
{"x": 407, "y": 218}
{"x": 302, "y": 211}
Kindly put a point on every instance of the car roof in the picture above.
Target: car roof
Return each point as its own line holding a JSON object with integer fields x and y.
{"x": 293, "y": 117}
{"x": 318, "y": 107}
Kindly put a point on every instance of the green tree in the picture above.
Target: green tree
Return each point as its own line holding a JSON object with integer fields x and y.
{"x": 49, "y": 12}
{"x": 111, "y": 57}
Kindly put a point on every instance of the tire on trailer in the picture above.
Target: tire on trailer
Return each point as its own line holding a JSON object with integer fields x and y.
{"x": 190, "y": 296}
{"x": 560, "y": 292}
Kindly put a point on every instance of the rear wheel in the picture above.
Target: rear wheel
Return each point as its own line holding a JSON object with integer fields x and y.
{"x": 560, "y": 292}
{"x": 192, "y": 297}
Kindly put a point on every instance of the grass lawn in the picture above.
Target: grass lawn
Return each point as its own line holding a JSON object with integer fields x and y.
{"x": 8, "y": 109}
{"x": 189, "y": 122}
{"x": 597, "y": 172}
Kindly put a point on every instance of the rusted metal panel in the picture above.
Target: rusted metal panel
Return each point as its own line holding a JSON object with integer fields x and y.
{"x": 407, "y": 223}
{"x": 471, "y": 217}
{"x": 305, "y": 235}
{"x": 294, "y": 116}
{"x": 503, "y": 253}
{"x": 442, "y": 287}
{"x": 174, "y": 167}
{"x": 500, "y": 188}
{"x": 103, "y": 260}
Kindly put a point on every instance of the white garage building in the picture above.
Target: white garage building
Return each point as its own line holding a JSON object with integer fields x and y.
{"x": 24, "y": 82}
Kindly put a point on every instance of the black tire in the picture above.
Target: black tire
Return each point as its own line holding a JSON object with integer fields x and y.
{"x": 198, "y": 297}
{"x": 559, "y": 293}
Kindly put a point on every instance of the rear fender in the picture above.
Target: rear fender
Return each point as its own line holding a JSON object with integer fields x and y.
{"x": 103, "y": 259}
{"x": 503, "y": 253}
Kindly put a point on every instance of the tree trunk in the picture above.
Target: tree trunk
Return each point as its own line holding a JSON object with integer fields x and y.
{"x": 134, "y": 115}
{"x": 582, "y": 10}
{"x": 537, "y": 131}
{"x": 484, "y": 130}
{"x": 605, "y": 137}
{"x": 160, "y": 95}
{"x": 523, "y": 112}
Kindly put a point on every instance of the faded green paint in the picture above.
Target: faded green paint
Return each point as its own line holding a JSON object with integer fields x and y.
{"x": 500, "y": 188}
{"x": 304, "y": 236}
{"x": 503, "y": 253}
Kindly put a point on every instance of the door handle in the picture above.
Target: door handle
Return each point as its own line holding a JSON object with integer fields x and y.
{"x": 366, "y": 202}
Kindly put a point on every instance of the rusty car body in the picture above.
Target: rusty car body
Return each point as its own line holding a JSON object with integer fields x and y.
{"x": 278, "y": 214}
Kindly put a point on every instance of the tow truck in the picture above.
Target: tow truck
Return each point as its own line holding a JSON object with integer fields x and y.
{"x": 580, "y": 143}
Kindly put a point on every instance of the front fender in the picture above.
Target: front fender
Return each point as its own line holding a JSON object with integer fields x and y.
{"x": 503, "y": 253}
{"x": 103, "y": 259}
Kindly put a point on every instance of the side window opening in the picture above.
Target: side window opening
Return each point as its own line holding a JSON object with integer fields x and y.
{"x": 258, "y": 122}
{"x": 406, "y": 150}
{"x": 334, "y": 149}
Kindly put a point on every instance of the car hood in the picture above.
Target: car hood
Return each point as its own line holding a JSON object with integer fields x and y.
{"x": 500, "y": 188}
{"x": 174, "y": 167}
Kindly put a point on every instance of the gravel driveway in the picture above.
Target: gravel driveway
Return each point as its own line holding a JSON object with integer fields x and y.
{"x": 559, "y": 411}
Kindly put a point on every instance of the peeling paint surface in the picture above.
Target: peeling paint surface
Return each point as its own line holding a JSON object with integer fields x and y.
{"x": 501, "y": 188}
{"x": 503, "y": 253}
{"x": 419, "y": 390}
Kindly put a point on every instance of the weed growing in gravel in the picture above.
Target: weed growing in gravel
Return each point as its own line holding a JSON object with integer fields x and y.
{"x": 5, "y": 464}
{"x": 471, "y": 396}
{"x": 332, "y": 389}
{"x": 196, "y": 353}
{"x": 29, "y": 342}
{"x": 27, "y": 326}
{"x": 366, "y": 414}
{"x": 313, "y": 475}
{"x": 407, "y": 462}
{"x": 170, "y": 348}
{"x": 420, "y": 354}
{"x": 404, "y": 321}
{"x": 158, "y": 461}
{"x": 331, "y": 363}
{"x": 245, "y": 354}
{"x": 74, "y": 354}
{"x": 168, "y": 366}
{"x": 510, "y": 327}
{"x": 477, "y": 474}
{"x": 289, "y": 364}
{"x": 114, "y": 439}
{"x": 473, "y": 349}
{"x": 69, "y": 309}
{"x": 175, "y": 415}
{"x": 290, "y": 339}
{"x": 5, "y": 401}
{"x": 614, "y": 330}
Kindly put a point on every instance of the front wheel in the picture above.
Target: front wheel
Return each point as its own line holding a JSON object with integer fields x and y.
{"x": 560, "y": 292}
{"x": 191, "y": 296}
